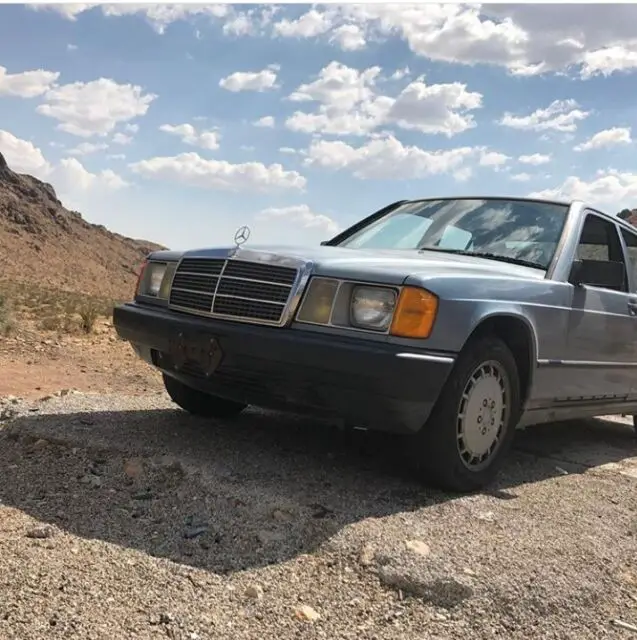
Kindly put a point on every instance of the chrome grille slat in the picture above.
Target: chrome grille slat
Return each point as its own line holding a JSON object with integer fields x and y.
{"x": 232, "y": 297}
{"x": 242, "y": 290}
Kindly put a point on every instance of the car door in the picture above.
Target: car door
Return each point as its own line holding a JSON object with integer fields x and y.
{"x": 601, "y": 327}
{"x": 630, "y": 246}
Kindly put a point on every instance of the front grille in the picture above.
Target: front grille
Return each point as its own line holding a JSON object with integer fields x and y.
{"x": 233, "y": 289}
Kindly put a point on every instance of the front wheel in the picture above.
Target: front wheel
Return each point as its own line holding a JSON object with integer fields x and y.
{"x": 198, "y": 403}
{"x": 471, "y": 427}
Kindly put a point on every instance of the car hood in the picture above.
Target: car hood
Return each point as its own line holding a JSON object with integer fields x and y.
{"x": 389, "y": 265}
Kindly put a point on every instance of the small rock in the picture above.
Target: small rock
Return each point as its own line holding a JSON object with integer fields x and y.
{"x": 282, "y": 515}
{"x": 441, "y": 590}
{"x": 143, "y": 495}
{"x": 40, "y": 444}
{"x": 194, "y": 532}
{"x": 161, "y": 618}
{"x": 92, "y": 479}
{"x": 41, "y": 533}
{"x": 367, "y": 554}
{"x": 254, "y": 591}
{"x": 133, "y": 468}
{"x": 320, "y": 511}
{"x": 64, "y": 392}
{"x": 268, "y": 537}
{"x": 419, "y": 547}
{"x": 8, "y": 413}
{"x": 306, "y": 613}
{"x": 486, "y": 516}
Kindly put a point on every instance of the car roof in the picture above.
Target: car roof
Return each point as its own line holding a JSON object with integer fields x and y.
{"x": 564, "y": 202}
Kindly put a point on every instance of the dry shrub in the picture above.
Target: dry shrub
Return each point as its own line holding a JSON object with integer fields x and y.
{"x": 89, "y": 313}
{"x": 7, "y": 321}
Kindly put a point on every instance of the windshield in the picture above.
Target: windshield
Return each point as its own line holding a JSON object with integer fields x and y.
{"x": 520, "y": 230}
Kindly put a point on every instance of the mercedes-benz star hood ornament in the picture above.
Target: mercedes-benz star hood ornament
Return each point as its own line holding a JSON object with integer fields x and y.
{"x": 242, "y": 234}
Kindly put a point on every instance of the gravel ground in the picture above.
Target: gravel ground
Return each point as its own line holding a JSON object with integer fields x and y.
{"x": 122, "y": 517}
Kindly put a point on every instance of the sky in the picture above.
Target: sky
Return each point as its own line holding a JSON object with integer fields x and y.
{"x": 180, "y": 123}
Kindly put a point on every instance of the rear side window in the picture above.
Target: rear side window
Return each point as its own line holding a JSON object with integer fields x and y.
{"x": 631, "y": 249}
{"x": 600, "y": 241}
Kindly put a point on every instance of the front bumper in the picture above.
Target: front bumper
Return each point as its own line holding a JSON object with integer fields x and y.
{"x": 366, "y": 384}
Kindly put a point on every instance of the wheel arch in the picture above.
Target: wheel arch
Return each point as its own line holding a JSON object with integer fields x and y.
{"x": 518, "y": 333}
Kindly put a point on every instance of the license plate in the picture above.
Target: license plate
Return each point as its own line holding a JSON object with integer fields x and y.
{"x": 199, "y": 350}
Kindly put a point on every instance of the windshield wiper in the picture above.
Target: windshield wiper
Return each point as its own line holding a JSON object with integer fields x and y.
{"x": 486, "y": 254}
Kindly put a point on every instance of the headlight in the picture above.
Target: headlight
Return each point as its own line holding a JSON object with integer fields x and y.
{"x": 152, "y": 279}
{"x": 318, "y": 302}
{"x": 156, "y": 273}
{"x": 372, "y": 307}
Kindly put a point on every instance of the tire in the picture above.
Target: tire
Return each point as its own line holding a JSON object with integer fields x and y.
{"x": 435, "y": 451}
{"x": 635, "y": 425}
{"x": 198, "y": 403}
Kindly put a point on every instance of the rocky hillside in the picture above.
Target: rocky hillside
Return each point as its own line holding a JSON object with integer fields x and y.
{"x": 630, "y": 215}
{"x": 42, "y": 242}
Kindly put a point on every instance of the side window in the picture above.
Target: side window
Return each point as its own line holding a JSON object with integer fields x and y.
{"x": 631, "y": 249}
{"x": 600, "y": 241}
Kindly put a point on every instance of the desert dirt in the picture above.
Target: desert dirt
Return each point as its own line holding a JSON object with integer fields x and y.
{"x": 123, "y": 517}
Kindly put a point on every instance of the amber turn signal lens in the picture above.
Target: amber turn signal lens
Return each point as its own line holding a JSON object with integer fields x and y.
{"x": 415, "y": 313}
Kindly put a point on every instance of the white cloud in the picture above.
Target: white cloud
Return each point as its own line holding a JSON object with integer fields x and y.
{"x": 23, "y": 156}
{"x": 350, "y": 105}
{"x": 309, "y": 25}
{"x": 240, "y": 25}
{"x": 96, "y": 107}
{"x": 607, "y": 138}
{"x": 526, "y": 39}
{"x": 131, "y": 128}
{"x": 614, "y": 189}
{"x": 208, "y": 139}
{"x": 266, "y": 121}
{"x": 159, "y": 16}
{"x": 338, "y": 86}
{"x": 560, "y": 115}
{"x": 288, "y": 150}
{"x": 122, "y": 138}
{"x": 191, "y": 169}
{"x": 493, "y": 159}
{"x": 462, "y": 175}
{"x": 86, "y": 148}
{"x": 68, "y": 11}
{"x": 71, "y": 47}
{"x": 250, "y": 81}
{"x": 349, "y": 37}
{"x": 386, "y": 158}
{"x": 535, "y": 159}
{"x": 27, "y": 84}
{"x": 438, "y": 108}
{"x": 521, "y": 177}
{"x": 399, "y": 74}
{"x": 608, "y": 60}
{"x": 300, "y": 217}
{"x": 70, "y": 178}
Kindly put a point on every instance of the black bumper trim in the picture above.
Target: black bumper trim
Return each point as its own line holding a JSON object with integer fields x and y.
{"x": 366, "y": 384}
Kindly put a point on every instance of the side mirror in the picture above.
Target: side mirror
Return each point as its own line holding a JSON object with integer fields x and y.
{"x": 598, "y": 273}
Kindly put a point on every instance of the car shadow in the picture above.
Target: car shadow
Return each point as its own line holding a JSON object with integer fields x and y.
{"x": 261, "y": 489}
